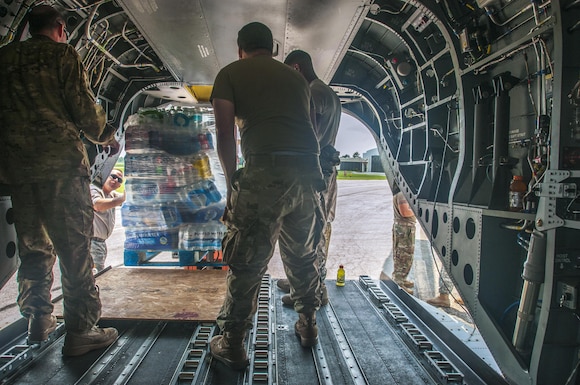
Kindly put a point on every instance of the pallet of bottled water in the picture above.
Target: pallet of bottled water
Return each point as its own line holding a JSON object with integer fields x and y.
{"x": 175, "y": 189}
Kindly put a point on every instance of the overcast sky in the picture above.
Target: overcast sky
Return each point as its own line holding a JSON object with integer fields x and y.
{"x": 353, "y": 137}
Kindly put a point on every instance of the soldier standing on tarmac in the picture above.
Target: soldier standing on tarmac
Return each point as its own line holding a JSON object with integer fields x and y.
{"x": 327, "y": 110}
{"x": 403, "y": 240}
{"x": 275, "y": 197}
{"x": 44, "y": 105}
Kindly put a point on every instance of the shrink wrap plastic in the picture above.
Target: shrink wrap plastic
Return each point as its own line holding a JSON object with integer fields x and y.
{"x": 175, "y": 188}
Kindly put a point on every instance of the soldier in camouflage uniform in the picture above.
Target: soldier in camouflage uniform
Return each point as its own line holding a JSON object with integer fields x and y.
{"x": 275, "y": 197}
{"x": 403, "y": 240}
{"x": 45, "y": 104}
{"x": 327, "y": 110}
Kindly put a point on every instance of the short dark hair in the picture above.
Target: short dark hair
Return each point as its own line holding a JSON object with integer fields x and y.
{"x": 44, "y": 17}
{"x": 254, "y": 36}
{"x": 304, "y": 61}
{"x": 299, "y": 57}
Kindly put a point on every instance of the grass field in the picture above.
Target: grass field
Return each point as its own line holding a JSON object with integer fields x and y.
{"x": 353, "y": 175}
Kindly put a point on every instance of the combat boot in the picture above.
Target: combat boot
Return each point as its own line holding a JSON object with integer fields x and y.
{"x": 306, "y": 329}
{"x": 288, "y": 301}
{"x": 40, "y": 326}
{"x": 79, "y": 343}
{"x": 404, "y": 282}
{"x": 229, "y": 348}
{"x": 284, "y": 285}
{"x": 410, "y": 291}
{"x": 408, "y": 284}
{"x": 442, "y": 300}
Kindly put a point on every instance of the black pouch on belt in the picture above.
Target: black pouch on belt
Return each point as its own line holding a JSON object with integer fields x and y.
{"x": 329, "y": 158}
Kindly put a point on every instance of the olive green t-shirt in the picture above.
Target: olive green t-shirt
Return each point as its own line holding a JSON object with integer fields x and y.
{"x": 328, "y": 112}
{"x": 272, "y": 106}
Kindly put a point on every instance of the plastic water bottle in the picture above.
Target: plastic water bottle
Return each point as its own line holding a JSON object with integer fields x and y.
{"x": 212, "y": 212}
{"x": 202, "y": 166}
{"x": 340, "y": 276}
{"x": 209, "y": 138}
{"x": 211, "y": 191}
{"x": 197, "y": 197}
{"x": 191, "y": 237}
{"x": 213, "y": 233}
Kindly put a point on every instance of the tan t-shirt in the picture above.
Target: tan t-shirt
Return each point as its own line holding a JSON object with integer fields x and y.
{"x": 272, "y": 106}
{"x": 328, "y": 112}
{"x": 401, "y": 210}
{"x": 104, "y": 221}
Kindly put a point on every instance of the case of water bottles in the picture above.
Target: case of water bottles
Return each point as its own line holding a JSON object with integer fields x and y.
{"x": 175, "y": 188}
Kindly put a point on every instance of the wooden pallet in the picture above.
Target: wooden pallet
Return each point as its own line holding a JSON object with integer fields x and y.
{"x": 166, "y": 294}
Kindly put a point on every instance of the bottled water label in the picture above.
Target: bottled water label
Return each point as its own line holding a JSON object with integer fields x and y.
{"x": 207, "y": 236}
{"x": 150, "y": 239}
{"x": 163, "y": 217}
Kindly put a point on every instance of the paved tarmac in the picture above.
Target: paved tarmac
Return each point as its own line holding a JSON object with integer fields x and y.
{"x": 361, "y": 241}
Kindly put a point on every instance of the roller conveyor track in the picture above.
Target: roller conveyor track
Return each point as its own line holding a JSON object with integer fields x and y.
{"x": 367, "y": 335}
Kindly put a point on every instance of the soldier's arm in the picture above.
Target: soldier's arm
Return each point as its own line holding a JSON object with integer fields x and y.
{"x": 314, "y": 118}
{"x": 226, "y": 136}
{"x": 404, "y": 207}
{"x": 316, "y": 110}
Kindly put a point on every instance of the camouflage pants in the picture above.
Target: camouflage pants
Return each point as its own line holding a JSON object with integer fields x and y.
{"x": 330, "y": 195}
{"x": 53, "y": 219}
{"x": 445, "y": 282}
{"x": 403, "y": 249}
{"x": 270, "y": 203}
{"x": 328, "y": 198}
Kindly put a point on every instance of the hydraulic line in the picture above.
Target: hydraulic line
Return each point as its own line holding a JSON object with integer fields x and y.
{"x": 502, "y": 84}
{"x": 92, "y": 41}
{"x": 541, "y": 67}
{"x": 533, "y": 275}
{"x": 124, "y": 34}
{"x": 22, "y": 12}
{"x": 104, "y": 50}
{"x": 536, "y": 8}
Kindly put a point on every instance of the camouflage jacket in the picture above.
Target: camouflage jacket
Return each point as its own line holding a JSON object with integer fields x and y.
{"x": 45, "y": 103}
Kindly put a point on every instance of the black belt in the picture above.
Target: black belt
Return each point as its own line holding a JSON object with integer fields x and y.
{"x": 283, "y": 160}
{"x": 98, "y": 239}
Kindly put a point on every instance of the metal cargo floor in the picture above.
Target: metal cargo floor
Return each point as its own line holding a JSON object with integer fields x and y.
{"x": 366, "y": 336}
